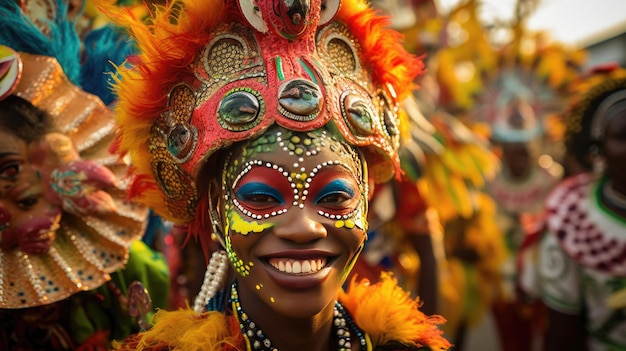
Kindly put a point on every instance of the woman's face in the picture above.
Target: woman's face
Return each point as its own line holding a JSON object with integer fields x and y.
{"x": 295, "y": 210}
{"x": 614, "y": 146}
{"x": 27, "y": 219}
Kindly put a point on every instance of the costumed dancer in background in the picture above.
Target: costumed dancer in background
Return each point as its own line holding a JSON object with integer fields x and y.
{"x": 404, "y": 233}
{"x": 582, "y": 261}
{"x": 66, "y": 228}
{"x": 520, "y": 102}
{"x": 78, "y": 133}
{"x": 519, "y": 189}
{"x": 457, "y": 166}
{"x": 517, "y": 103}
{"x": 264, "y": 125}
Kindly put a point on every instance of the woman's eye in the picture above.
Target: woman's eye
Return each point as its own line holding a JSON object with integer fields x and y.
{"x": 10, "y": 170}
{"x": 260, "y": 194}
{"x": 28, "y": 202}
{"x": 337, "y": 194}
{"x": 259, "y": 198}
{"x": 334, "y": 198}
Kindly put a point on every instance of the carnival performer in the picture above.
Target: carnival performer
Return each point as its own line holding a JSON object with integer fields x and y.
{"x": 520, "y": 187}
{"x": 582, "y": 265}
{"x": 69, "y": 238}
{"x": 265, "y": 125}
{"x": 66, "y": 228}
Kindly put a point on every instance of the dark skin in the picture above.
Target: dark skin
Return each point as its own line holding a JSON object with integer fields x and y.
{"x": 614, "y": 151}
{"x": 428, "y": 281}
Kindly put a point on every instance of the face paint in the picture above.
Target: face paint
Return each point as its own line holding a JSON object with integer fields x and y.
{"x": 27, "y": 219}
{"x": 295, "y": 207}
{"x": 262, "y": 190}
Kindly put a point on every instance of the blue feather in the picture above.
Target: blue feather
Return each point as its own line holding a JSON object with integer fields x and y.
{"x": 20, "y": 33}
{"x": 105, "y": 48}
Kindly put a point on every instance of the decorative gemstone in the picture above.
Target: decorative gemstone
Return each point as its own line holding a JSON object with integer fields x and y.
{"x": 179, "y": 141}
{"x": 359, "y": 114}
{"x": 300, "y": 100}
{"x": 295, "y": 16}
{"x": 239, "y": 110}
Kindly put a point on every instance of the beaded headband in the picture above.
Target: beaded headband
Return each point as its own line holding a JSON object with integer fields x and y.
{"x": 212, "y": 73}
{"x": 90, "y": 244}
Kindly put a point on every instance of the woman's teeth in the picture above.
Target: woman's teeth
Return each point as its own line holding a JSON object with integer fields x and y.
{"x": 292, "y": 266}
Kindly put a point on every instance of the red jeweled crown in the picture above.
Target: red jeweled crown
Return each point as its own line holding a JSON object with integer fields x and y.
{"x": 211, "y": 73}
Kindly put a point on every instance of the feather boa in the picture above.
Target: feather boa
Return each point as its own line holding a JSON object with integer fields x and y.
{"x": 399, "y": 324}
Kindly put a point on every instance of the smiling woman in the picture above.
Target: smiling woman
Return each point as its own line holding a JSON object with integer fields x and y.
{"x": 310, "y": 210}
{"x": 267, "y": 140}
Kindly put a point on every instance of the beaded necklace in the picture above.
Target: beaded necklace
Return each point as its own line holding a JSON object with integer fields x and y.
{"x": 256, "y": 339}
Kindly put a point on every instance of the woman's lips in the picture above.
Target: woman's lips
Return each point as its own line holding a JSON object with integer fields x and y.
{"x": 38, "y": 235}
{"x": 38, "y": 246}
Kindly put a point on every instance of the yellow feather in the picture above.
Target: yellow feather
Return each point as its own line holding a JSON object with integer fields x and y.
{"x": 186, "y": 330}
{"x": 399, "y": 320}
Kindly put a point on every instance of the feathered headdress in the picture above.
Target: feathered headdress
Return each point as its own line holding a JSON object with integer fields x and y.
{"x": 211, "y": 73}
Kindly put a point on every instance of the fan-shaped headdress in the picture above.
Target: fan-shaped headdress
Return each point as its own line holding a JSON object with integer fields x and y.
{"x": 94, "y": 233}
{"x": 211, "y": 73}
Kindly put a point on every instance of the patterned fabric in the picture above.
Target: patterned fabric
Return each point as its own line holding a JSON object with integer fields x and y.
{"x": 582, "y": 264}
{"x": 522, "y": 196}
{"x": 587, "y": 231}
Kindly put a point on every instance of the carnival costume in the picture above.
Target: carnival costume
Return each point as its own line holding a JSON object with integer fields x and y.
{"x": 75, "y": 294}
{"x": 211, "y": 74}
{"x": 582, "y": 266}
{"x": 95, "y": 232}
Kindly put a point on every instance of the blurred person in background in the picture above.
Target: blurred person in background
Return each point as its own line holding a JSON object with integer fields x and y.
{"x": 582, "y": 260}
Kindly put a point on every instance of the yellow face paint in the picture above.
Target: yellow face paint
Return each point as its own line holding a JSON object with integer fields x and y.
{"x": 239, "y": 225}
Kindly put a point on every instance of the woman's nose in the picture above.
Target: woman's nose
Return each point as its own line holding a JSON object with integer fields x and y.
{"x": 300, "y": 226}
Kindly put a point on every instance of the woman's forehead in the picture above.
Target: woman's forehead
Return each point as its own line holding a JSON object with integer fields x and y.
{"x": 296, "y": 150}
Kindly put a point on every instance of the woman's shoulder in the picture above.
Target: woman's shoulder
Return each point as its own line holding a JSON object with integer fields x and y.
{"x": 570, "y": 190}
